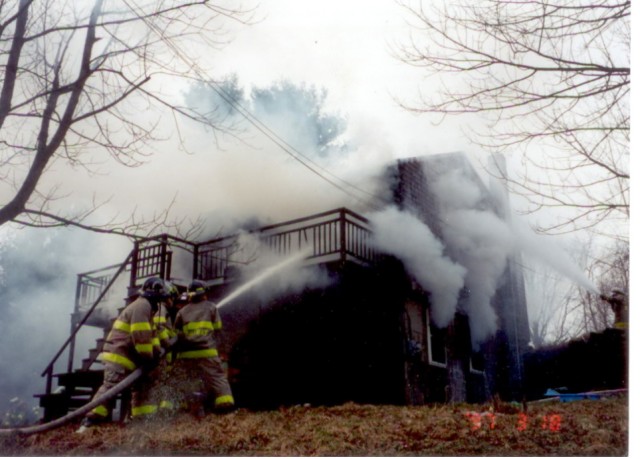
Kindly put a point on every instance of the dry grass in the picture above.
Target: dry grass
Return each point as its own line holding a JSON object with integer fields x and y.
{"x": 586, "y": 428}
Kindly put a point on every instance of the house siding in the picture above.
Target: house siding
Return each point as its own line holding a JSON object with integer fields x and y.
{"x": 322, "y": 346}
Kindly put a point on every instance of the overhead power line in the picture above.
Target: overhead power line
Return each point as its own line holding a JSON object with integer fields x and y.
{"x": 346, "y": 187}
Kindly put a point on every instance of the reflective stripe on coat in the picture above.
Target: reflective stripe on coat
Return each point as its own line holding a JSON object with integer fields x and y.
{"x": 197, "y": 326}
{"x": 132, "y": 340}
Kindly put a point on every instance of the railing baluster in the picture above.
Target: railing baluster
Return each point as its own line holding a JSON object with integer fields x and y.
{"x": 343, "y": 236}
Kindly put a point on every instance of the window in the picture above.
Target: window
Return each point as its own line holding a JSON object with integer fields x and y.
{"x": 415, "y": 329}
{"x": 437, "y": 344}
{"x": 476, "y": 362}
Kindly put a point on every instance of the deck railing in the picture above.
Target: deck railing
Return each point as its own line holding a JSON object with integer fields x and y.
{"x": 336, "y": 235}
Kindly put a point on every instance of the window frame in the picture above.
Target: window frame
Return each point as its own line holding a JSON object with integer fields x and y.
{"x": 431, "y": 360}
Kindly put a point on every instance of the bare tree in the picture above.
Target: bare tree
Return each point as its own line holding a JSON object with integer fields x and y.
{"x": 75, "y": 77}
{"x": 560, "y": 310}
{"x": 551, "y": 79}
{"x": 549, "y": 301}
{"x": 612, "y": 272}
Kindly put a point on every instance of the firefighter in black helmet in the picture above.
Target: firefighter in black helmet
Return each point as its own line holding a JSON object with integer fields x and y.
{"x": 197, "y": 291}
{"x": 132, "y": 343}
{"x": 198, "y": 326}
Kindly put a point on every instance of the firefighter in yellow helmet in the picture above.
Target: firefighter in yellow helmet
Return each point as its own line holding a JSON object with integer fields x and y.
{"x": 198, "y": 326}
{"x": 132, "y": 343}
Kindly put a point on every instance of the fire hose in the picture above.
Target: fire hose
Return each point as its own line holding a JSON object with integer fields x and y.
{"x": 115, "y": 390}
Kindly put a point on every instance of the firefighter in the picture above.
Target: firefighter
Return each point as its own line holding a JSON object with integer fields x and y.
{"x": 620, "y": 306}
{"x": 162, "y": 391}
{"x": 132, "y": 343}
{"x": 198, "y": 326}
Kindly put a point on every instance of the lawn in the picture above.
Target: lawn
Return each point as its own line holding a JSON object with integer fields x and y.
{"x": 582, "y": 428}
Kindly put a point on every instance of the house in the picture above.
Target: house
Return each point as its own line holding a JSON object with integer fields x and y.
{"x": 361, "y": 331}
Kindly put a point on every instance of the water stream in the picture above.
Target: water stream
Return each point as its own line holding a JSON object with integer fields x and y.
{"x": 264, "y": 275}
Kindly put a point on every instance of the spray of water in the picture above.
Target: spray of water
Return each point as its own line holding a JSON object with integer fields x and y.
{"x": 264, "y": 275}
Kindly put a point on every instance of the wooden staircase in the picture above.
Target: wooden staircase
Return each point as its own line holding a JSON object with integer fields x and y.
{"x": 75, "y": 389}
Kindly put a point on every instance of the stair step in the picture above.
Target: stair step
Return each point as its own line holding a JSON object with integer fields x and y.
{"x": 48, "y": 398}
{"x": 94, "y": 353}
{"x": 88, "y": 363}
{"x": 88, "y": 378}
{"x": 81, "y": 393}
{"x": 57, "y": 405}
{"x": 93, "y": 357}
{"x": 76, "y": 397}
{"x": 63, "y": 400}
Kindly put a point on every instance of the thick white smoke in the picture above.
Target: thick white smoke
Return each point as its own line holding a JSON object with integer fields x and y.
{"x": 36, "y": 299}
{"x": 308, "y": 168}
{"x": 406, "y": 237}
{"x": 482, "y": 243}
{"x": 477, "y": 239}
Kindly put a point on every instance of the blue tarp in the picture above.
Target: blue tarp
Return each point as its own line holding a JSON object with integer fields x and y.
{"x": 567, "y": 397}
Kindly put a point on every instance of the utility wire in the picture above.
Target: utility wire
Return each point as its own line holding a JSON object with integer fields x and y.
{"x": 326, "y": 175}
{"x": 292, "y": 151}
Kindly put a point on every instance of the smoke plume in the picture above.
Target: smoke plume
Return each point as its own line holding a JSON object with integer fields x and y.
{"x": 36, "y": 300}
{"x": 478, "y": 240}
{"x": 406, "y": 237}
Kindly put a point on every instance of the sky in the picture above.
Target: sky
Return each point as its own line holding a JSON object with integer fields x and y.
{"x": 345, "y": 47}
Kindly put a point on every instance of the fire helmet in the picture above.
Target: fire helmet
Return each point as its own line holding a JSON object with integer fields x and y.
{"x": 197, "y": 288}
{"x": 172, "y": 290}
{"x": 155, "y": 288}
